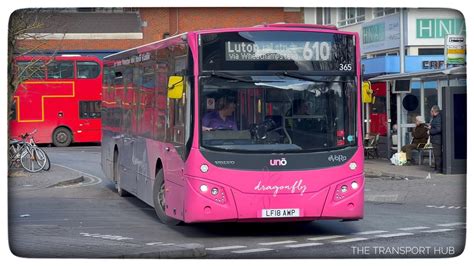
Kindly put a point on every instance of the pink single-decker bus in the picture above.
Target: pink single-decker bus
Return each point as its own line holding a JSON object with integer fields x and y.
{"x": 238, "y": 124}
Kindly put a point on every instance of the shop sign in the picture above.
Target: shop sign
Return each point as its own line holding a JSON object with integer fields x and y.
{"x": 381, "y": 34}
{"x": 432, "y": 64}
{"x": 455, "y": 50}
{"x": 431, "y": 28}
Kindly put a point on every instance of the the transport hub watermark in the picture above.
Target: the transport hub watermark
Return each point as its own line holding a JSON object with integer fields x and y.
{"x": 403, "y": 251}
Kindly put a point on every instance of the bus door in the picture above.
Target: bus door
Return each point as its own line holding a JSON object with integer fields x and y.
{"x": 129, "y": 174}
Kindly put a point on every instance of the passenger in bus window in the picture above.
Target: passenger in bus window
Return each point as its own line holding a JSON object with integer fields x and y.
{"x": 222, "y": 118}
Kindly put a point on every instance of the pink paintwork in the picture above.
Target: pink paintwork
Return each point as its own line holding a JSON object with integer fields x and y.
{"x": 242, "y": 195}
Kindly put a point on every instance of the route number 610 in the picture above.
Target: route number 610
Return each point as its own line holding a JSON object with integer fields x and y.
{"x": 345, "y": 67}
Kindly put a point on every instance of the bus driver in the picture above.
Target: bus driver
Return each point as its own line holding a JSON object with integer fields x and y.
{"x": 221, "y": 118}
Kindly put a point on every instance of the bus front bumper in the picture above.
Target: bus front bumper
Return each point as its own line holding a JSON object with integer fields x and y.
{"x": 209, "y": 201}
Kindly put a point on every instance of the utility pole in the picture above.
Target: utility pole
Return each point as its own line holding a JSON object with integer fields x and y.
{"x": 402, "y": 70}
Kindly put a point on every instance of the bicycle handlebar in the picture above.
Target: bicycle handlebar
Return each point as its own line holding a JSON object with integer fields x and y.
{"x": 24, "y": 136}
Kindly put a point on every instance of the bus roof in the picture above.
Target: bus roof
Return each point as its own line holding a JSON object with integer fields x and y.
{"x": 263, "y": 27}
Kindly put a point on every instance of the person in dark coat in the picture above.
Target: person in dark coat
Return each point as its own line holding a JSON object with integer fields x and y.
{"x": 420, "y": 135}
{"x": 435, "y": 130}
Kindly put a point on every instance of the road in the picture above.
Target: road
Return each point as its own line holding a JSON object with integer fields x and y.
{"x": 91, "y": 220}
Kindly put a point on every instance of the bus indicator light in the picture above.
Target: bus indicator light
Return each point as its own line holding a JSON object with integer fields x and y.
{"x": 204, "y": 168}
{"x": 214, "y": 191}
{"x": 344, "y": 189}
{"x": 353, "y": 166}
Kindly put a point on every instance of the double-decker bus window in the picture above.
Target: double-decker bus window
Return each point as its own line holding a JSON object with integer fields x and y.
{"x": 87, "y": 70}
{"x": 60, "y": 70}
{"x": 89, "y": 109}
{"x": 31, "y": 70}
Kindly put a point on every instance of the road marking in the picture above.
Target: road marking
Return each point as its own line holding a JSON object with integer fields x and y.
{"x": 444, "y": 206}
{"x": 304, "y": 245}
{"x": 395, "y": 235}
{"x": 349, "y": 240}
{"x": 252, "y": 250}
{"x": 438, "y": 230}
{"x": 371, "y": 232}
{"x": 111, "y": 237}
{"x": 450, "y": 224}
{"x": 277, "y": 243}
{"x": 225, "y": 248}
{"x": 324, "y": 237}
{"x": 413, "y": 228}
{"x": 154, "y": 243}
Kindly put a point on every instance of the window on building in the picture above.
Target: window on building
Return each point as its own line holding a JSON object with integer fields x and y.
{"x": 431, "y": 51}
{"x": 350, "y": 15}
{"x": 323, "y": 16}
{"x": 327, "y": 16}
{"x": 87, "y": 70}
{"x": 380, "y": 12}
{"x": 89, "y": 109}
{"x": 319, "y": 16}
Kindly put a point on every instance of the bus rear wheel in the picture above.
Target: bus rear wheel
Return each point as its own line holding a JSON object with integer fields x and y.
{"x": 62, "y": 137}
{"x": 160, "y": 201}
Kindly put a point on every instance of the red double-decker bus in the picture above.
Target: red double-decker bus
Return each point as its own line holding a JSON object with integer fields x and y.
{"x": 60, "y": 96}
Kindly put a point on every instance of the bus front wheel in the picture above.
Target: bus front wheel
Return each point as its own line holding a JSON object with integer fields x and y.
{"x": 159, "y": 200}
{"x": 118, "y": 177}
{"x": 62, "y": 137}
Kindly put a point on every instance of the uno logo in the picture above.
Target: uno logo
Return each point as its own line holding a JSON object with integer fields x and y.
{"x": 278, "y": 162}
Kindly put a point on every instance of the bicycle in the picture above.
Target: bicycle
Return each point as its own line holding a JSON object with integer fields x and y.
{"x": 28, "y": 154}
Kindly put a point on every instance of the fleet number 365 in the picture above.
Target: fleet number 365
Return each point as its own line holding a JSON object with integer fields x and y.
{"x": 345, "y": 67}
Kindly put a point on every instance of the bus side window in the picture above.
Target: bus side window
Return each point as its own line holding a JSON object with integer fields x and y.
{"x": 60, "y": 70}
{"x": 87, "y": 70}
{"x": 89, "y": 109}
{"x": 31, "y": 70}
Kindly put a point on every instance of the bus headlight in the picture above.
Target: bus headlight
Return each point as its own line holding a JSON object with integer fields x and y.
{"x": 354, "y": 185}
{"x": 203, "y": 188}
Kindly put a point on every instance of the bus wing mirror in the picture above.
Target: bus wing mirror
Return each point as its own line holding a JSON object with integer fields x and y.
{"x": 175, "y": 87}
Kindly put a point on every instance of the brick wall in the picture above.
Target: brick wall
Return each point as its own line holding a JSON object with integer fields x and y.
{"x": 163, "y": 20}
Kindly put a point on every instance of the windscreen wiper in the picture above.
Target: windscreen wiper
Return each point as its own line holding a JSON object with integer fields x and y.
{"x": 235, "y": 78}
{"x": 303, "y": 77}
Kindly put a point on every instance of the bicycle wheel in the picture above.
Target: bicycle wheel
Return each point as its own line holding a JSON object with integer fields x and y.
{"x": 47, "y": 165}
{"x": 33, "y": 159}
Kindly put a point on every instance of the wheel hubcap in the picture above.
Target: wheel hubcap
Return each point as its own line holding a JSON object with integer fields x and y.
{"x": 61, "y": 137}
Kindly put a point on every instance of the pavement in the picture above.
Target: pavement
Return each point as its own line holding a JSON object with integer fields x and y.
{"x": 383, "y": 168}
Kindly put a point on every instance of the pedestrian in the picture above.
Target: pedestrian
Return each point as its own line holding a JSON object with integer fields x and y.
{"x": 420, "y": 136}
{"x": 435, "y": 130}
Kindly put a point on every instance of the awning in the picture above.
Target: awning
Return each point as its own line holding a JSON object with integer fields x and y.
{"x": 424, "y": 75}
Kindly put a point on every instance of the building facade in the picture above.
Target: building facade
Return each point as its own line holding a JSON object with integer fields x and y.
{"x": 423, "y": 32}
{"x": 101, "y": 31}
{"x": 380, "y": 31}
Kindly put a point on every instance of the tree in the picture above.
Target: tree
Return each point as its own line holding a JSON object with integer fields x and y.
{"x": 23, "y": 38}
